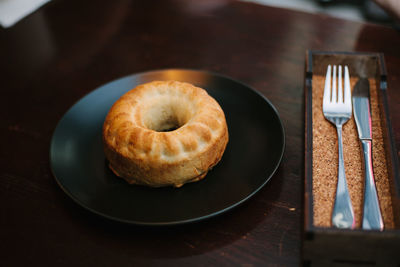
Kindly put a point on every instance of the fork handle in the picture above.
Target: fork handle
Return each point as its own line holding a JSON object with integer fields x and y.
{"x": 343, "y": 215}
{"x": 372, "y": 218}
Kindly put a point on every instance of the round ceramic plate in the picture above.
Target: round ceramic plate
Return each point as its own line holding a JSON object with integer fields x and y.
{"x": 254, "y": 152}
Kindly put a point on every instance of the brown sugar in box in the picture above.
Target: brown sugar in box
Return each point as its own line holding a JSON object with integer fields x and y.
{"x": 322, "y": 244}
{"x": 325, "y": 161}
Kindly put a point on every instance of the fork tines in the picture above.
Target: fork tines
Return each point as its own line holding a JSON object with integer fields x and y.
{"x": 334, "y": 93}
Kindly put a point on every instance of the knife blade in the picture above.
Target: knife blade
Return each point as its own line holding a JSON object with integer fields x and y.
{"x": 372, "y": 218}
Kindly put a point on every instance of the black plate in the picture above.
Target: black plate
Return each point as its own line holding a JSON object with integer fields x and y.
{"x": 253, "y": 154}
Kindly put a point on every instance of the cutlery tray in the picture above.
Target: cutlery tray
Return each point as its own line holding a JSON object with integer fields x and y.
{"x": 324, "y": 245}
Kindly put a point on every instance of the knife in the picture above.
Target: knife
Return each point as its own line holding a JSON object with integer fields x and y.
{"x": 372, "y": 218}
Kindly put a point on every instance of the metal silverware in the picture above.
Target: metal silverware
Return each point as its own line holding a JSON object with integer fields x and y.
{"x": 337, "y": 109}
{"x": 372, "y": 218}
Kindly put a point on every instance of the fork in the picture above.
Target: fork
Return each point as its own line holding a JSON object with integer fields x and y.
{"x": 337, "y": 110}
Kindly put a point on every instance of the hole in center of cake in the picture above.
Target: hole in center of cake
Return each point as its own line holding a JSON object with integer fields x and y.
{"x": 167, "y": 124}
{"x": 173, "y": 128}
{"x": 166, "y": 116}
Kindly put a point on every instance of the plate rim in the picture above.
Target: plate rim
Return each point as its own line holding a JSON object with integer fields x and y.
{"x": 175, "y": 222}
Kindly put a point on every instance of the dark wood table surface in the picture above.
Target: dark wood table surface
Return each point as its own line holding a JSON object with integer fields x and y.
{"x": 52, "y": 58}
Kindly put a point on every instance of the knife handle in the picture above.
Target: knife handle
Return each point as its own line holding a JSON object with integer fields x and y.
{"x": 372, "y": 218}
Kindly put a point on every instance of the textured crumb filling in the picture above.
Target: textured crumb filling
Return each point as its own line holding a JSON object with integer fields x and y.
{"x": 167, "y": 114}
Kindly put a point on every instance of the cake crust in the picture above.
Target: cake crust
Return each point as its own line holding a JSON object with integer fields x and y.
{"x": 142, "y": 148}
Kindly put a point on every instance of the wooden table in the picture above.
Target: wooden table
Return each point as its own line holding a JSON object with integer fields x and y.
{"x": 68, "y": 48}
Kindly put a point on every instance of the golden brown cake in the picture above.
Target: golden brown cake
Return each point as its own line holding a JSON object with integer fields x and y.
{"x": 164, "y": 133}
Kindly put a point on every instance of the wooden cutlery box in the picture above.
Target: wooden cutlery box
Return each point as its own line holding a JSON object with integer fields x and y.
{"x": 322, "y": 244}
